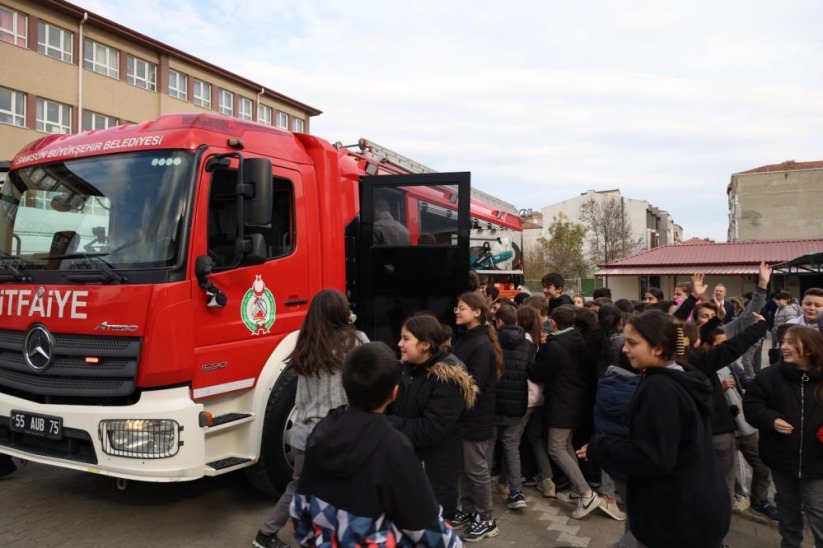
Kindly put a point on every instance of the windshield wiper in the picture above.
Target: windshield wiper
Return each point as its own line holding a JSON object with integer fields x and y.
{"x": 106, "y": 268}
{"x": 6, "y": 263}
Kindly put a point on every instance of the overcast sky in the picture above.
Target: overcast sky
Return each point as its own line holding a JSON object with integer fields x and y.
{"x": 540, "y": 100}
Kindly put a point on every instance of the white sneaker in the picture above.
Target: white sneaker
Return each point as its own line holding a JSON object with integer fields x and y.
{"x": 567, "y": 496}
{"x": 609, "y": 506}
{"x": 586, "y": 505}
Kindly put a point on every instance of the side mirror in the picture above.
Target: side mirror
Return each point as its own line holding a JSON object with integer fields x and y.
{"x": 203, "y": 266}
{"x": 257, "y": 208}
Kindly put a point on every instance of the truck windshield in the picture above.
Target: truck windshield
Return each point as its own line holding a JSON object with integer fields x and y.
{"x": 126, "y": 208}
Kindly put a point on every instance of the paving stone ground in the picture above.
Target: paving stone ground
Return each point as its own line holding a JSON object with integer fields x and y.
{"x": 547, "y": 522}
{"x": 46, "y": 506}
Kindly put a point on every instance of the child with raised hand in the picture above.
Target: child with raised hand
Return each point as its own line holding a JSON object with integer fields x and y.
{"x": 709, "y": 354}
{"x": 362, "y": 484}
{"x": 477, "y": 347}
{"x": 430, "y": 403}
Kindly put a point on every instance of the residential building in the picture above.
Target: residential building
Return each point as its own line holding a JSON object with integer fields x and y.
{"x": 650, "y": 225}
{"x": 67, "y": 70}
{"x": 532, "y": 229}
{"x": 776, "y": 201}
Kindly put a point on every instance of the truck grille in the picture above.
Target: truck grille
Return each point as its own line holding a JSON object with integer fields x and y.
{"x": 70, "y": 375}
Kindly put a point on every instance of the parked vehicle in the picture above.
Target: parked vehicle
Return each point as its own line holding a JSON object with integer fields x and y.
{"x": 153, "y": 278}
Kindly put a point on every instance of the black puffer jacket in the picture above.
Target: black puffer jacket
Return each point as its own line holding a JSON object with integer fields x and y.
{"x": 512, "y": 397}
{"x": 558, "y": 365}
{"x": 431, "y": 400}
{"x": 783, "y": 391}
{"x": 559, "y": 301}
{"x": 474, "y": 348}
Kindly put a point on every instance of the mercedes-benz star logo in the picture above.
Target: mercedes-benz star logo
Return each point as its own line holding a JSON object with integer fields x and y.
{"x": 38, "y": 347}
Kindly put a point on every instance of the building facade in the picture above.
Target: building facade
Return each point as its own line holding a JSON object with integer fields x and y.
{"x": 650, "y": 225}
{"x": 67, "y": 70}
{"x": 776, "y": 201}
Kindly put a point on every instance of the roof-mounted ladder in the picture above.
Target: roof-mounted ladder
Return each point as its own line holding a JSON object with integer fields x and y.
{"x": 388, "y": 156}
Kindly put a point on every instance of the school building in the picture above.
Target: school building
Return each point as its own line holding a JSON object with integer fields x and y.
{"x": 67, "y": 70}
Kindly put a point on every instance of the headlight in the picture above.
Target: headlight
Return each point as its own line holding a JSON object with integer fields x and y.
{"x": 140, "y": 438}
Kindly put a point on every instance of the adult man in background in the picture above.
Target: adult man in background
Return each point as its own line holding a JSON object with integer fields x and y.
{"x": 720, "y": 296}
{"x": 387, "y": 230}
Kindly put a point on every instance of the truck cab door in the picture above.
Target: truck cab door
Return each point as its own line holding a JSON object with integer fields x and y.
{"x": 424, "y": 269}
{"x": 265, "y": 301}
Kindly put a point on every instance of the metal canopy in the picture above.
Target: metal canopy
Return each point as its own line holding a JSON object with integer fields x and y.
{"x": 811, "y": 263}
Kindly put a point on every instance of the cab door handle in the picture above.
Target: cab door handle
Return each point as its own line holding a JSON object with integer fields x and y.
{"x": 296, "y": 302}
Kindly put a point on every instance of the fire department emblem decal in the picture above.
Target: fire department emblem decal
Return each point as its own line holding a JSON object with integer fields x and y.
{"x": 258, "y": 308}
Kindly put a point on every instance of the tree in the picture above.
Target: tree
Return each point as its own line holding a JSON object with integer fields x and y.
{"x": 561, "y": 252}
{"x": 609, "y": 229}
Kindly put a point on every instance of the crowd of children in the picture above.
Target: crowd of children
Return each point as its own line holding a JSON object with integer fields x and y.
{"x": 636, "y": 409}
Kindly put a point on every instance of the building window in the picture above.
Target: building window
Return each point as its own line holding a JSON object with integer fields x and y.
{"x": 53, "y": 117}
{"x": 202, "y": 94}
{"x": 244, "y": 106}
{"x": 93, "y": 120}
{"x": 102, "y": 59}
{"x": 263, "y": 114}
{"x": 297, "y": 125}
{"x": 12, "y": 107}
{"x": 225, "y": 103}
{"x": 141, "y": 73}
{"x": 178, "y": 85}
{"x": 54, "y": 41}
{"x": 282, "y": 120}
{"x": 14, "y": 27}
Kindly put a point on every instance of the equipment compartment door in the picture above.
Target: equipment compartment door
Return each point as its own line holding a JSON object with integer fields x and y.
{"x": 412, "y": 250}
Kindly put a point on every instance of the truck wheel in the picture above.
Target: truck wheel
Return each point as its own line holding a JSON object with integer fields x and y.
{"x": 273, "y": 470}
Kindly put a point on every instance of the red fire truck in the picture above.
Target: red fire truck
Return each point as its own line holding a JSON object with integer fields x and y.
{"x": 153, "y": 278}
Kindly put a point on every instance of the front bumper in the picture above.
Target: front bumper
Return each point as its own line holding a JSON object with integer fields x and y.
{"x": 81, "y": 447}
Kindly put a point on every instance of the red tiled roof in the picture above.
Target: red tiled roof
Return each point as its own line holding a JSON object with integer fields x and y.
{"x": 698, "y": 241}
{"x": 785, "y": 166}
{"x": 722, "y": 258}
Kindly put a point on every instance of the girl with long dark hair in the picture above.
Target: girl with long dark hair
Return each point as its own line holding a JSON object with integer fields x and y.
{"x": 324, "y": 339}
{"x": 477, "y": 347}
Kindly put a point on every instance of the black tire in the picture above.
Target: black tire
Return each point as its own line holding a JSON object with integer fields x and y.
{"x": 273, "y": 471}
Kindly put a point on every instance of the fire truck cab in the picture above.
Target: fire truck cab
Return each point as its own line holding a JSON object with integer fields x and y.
{"x": 154, "y": 276}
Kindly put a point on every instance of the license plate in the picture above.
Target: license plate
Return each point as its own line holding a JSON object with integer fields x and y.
{"x": 39, "y": 425}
